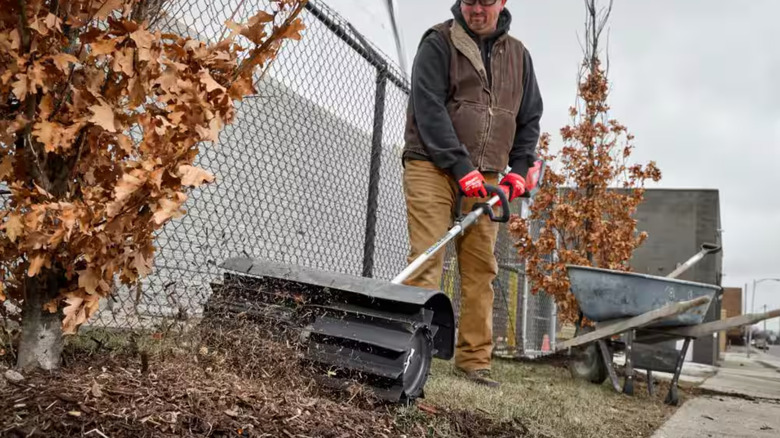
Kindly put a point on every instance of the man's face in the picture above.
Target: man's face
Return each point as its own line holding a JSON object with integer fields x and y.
{"x": 482, "y": 20}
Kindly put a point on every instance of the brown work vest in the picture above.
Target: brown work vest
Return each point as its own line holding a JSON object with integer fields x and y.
{"x": 484, "y": 117}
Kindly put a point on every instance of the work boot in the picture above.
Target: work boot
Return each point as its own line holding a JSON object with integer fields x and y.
{"x": 481, "y": 377}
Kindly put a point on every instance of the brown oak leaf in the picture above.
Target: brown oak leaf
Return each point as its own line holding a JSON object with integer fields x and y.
{"x": 124, "y": 143}
{"x": 16, "y": 39}
{"x": 51, "y": 306}
{"x": 74, "y": 314}
{"x": 106, "y": 7}
{"x": 169, "y": 209}
{"x": 89, "y": 280}
{"x": 48, "y": 133}
{"x": 127, "y": 186}
{"x": 20, "y": 86}
{"x": 53, "y": 22}
{"x": 194, "y": 176}
{"x": 63, "y": 61}
{"x": 36, "y": 263}
{"x": 209, "y": 81}
{"x": 46, "y": 106}
{"x": 6, "y": 167}
{"x": 141, "y": 265}
{"x": 294, "y": 30}
{"x": 143, "y": 38}
{"x": 103, "y": 47}
{"x": 123, "y": 62}
{"x": 14, "y": 227}
{"x": 103, "y": 116}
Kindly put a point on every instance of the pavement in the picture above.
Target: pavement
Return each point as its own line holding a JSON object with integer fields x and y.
{"x": 743, "y": 401}
{"x": 694, "y": 373}
{"x": 774, "y": 350}
{"x": 757, "y": 376}
{"x": 716, "y": 417}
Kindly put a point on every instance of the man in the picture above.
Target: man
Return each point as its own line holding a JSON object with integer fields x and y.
{"x": 474, "y": 110}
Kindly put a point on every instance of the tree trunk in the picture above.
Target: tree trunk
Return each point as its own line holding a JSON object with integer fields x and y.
{"x": 41, "y": 343}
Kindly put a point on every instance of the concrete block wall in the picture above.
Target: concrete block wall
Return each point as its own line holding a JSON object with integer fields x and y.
{"x": 678, "y": 222}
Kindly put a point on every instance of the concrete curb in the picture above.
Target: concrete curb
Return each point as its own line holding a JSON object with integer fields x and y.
{"x": 770, "y": 364}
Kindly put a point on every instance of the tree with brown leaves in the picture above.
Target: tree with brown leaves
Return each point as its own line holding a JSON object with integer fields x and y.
{"x": 101, "y": 119}
{"x": 587, "y": 205}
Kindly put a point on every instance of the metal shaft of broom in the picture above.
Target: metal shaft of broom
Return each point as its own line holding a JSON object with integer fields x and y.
{"x": 459, "y": 227}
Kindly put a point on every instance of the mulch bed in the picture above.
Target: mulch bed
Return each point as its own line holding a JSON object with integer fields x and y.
{"x": 172, "y": 398}
{"x": 233, "y": 384}
{"x": 558, "y": 359}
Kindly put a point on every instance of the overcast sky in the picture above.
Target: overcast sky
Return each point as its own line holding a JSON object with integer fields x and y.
{"x": 696, "y": 81}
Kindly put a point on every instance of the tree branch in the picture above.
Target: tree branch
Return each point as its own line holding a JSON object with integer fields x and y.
{"x": 25, "y": 31}
{"x": 267, "y": 43}
{"x": 235, "y": 11}
{"x": 65, "y": 92}
{"x": 30, "y": 101}
{"x": 72, "y": 173}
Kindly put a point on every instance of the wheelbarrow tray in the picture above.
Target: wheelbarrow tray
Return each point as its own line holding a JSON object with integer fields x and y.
{"x": 604, "y": 295}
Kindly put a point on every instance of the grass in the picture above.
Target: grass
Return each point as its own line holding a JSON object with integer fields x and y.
{"x": 549, "y": 401}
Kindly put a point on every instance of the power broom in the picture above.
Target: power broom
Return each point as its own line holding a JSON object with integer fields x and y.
{"x": 355, "y": 329}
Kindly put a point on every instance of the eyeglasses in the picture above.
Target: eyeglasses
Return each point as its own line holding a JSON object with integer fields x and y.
{"x": 482, "y": 2}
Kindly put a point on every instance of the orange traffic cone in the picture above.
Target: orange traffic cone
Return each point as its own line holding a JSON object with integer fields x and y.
{"x": 545, "y": 344}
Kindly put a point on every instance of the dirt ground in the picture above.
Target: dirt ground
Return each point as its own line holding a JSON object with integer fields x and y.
{"x": 235, "y": 381}
{"x": 227, "y": 383}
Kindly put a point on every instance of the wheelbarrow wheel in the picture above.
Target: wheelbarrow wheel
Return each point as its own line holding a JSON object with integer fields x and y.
{"x": 586, "y": 362}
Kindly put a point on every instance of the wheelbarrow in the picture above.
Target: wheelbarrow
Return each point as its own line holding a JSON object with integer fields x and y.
{"x": 633, "y": 313}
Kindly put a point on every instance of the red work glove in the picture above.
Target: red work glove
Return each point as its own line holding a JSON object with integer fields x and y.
{"x": 473, "y": 185}
{"x": 513, "y": 185}
{"x": 532, "y": 179}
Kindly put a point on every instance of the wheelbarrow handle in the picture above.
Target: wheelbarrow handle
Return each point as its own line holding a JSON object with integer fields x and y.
{"x": 707, "y": 248}
{"x": 711, "y": 248}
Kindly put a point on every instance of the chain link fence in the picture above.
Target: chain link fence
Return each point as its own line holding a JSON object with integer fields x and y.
{"x": 309, "y": 174}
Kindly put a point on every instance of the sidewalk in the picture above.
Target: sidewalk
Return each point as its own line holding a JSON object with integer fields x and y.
{"x": 761, "y": 357}
{"x": 757, "y": 377}
{"x": 750, "y": 406}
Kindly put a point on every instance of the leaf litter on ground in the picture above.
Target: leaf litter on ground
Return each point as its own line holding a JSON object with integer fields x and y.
{"x": 228, "y": 380}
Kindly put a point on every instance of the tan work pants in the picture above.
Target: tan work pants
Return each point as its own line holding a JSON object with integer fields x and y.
{"x": 430, "y": 201}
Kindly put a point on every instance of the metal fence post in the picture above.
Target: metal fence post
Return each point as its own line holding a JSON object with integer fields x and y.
{"x": 554, "y": 326}
{"x": 374, "y": 173}
{"x": 524, "y": 213}
{"x": 525, "y": 309}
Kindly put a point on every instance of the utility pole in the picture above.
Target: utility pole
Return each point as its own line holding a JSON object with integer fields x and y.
{"x": 392, "y": 11}
{"x": 764, "y": 320}
{"x": 744, "y": 312}
{"x": 753, "y": 307}
{"x": 750, "y": 327}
